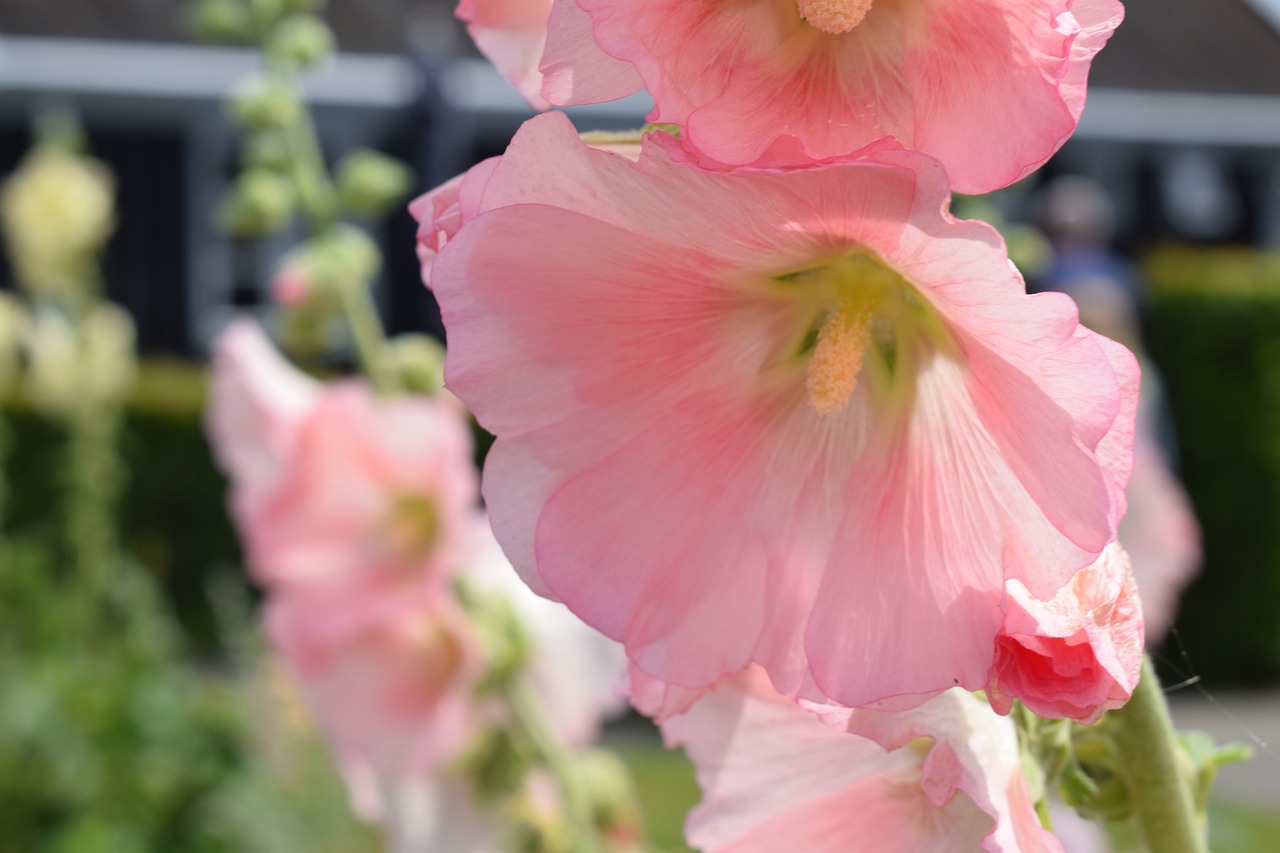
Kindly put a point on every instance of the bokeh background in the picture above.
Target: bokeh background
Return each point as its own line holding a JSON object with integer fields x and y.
{"x": 1162, "y": 215}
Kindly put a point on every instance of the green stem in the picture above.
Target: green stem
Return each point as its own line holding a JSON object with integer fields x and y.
{"x": 1149, "y": 763}
{"x": 369, "y": 337}
{"x": 532, "y": 722}
{"x": 94, "y": 478}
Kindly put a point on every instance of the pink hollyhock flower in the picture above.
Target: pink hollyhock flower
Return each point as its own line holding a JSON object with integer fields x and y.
{"x": 258, "y": 402}
{"x": 1076, "y": 655}
{"x": 799, "y": 418}
{"x": 945, "y": 776}
{"x": 991, "y": 88}
{"x": 1160, "y": 533}
{"x": 333, "y": 489}
{"x": 513, "y": 34}
{"x": 395, "y": 690}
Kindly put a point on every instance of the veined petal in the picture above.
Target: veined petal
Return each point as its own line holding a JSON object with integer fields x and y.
{"x": 635, "y": 334}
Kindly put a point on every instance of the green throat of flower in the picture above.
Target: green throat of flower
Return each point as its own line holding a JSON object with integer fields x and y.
{"x": 862, "y": 316}
{"x": 412, "y": 526}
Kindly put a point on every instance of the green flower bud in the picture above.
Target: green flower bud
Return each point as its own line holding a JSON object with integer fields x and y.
{"x": 346, "y": 257}
{"x": 499, "y": 633}
{"x": 495, "y": 764}
{"x": 265, "y": 102}
{"x": 267, "y": 149}
{"x": 300, "y": 40}
{"x": 370, "y": 183}
{"x": 267, "y": 12}
{"x": 260, "y": 203}
{"x": 615, "y": 806}
{"x": 419, "y": 360}
{"x": 13, "y": 326}
{"x": 222, "y": 20}
{"x": 108, "y": 352}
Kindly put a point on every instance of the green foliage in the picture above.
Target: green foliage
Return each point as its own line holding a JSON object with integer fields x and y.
{"x": 1213, "y": 329}
{"x": 172, "y": 513}
{"x": 106, "y": 744}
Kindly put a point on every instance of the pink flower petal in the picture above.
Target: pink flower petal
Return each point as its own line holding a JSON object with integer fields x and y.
{"x": 629, "y": 332}
{"x": 1076, "y": 655}
{"x": 991, "y": 87}
{"x": 775, "y": 777}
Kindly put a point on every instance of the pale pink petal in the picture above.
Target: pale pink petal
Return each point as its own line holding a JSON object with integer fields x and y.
{"x": 774, "y": 777}
{"x": 396, "y": 691}
{"x": 257, "y": 402}
{"x": 990, "y": 87}
{"x": 1076, "y": 655}
{"x": 575, "y": 69}
{"x": 331, "y": 522}
{"x": 1160, "y": 534}
{"x": 620, "y": 327}
{"x": 514, "y": 33}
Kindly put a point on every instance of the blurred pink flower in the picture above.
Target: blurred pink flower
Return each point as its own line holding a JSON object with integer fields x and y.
{"x": 395, "y": 689}
{"x": 991, "y": 88}
{"x": 1160, "y": 533}
{"x": 802, "y": 418}
{"x": 945, "y": 776}
{"x": 257, "y": 404}
{"x": 1076, "y": 655}
{"x": 333, "y": 489}
{"x": 513, "y": 34}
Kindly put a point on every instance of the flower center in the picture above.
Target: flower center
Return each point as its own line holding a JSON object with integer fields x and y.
{"x": 834, "y": 16}
{"x": 861, "y": 322}
{"x": 832, "y": 374}
{"x": 412, "y": 527}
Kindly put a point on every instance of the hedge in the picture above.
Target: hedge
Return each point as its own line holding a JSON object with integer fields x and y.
{"x": 1212, "y": 327}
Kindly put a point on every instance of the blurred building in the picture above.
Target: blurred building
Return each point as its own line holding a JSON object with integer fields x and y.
{"x": 1183, "y": 128}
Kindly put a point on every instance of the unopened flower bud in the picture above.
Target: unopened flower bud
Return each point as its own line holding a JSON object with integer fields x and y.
{"x": 499, "y": 632}
{"x": 107, "y": 359}
{"x": 53, "y": 368}
{"x": 300, "y": 40}
{"x": 267, "y": 149}
{"x": 291, "y": 286}
{"x": 12, "y": 328}
{"x": 222, "y": 20}
{"x": 419, "y": 361}
{"x": 264, "y": 102}
{"x": 370, "y": 182}
{"x": 347, "y": 257}
{"x": 57, "y": 210}
{"x": 495, "y": 764}
{"x": 267, "y": 12}
{"x": 607, "y": 785}
{"x": 260, "y": 203}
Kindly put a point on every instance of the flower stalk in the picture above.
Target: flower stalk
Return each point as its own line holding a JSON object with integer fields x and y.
{"x": 1149, "y": 763}
{"x": 531, "y": 722}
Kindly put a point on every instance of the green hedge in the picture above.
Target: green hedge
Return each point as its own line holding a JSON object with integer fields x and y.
{"x": 1213, "y": 329}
